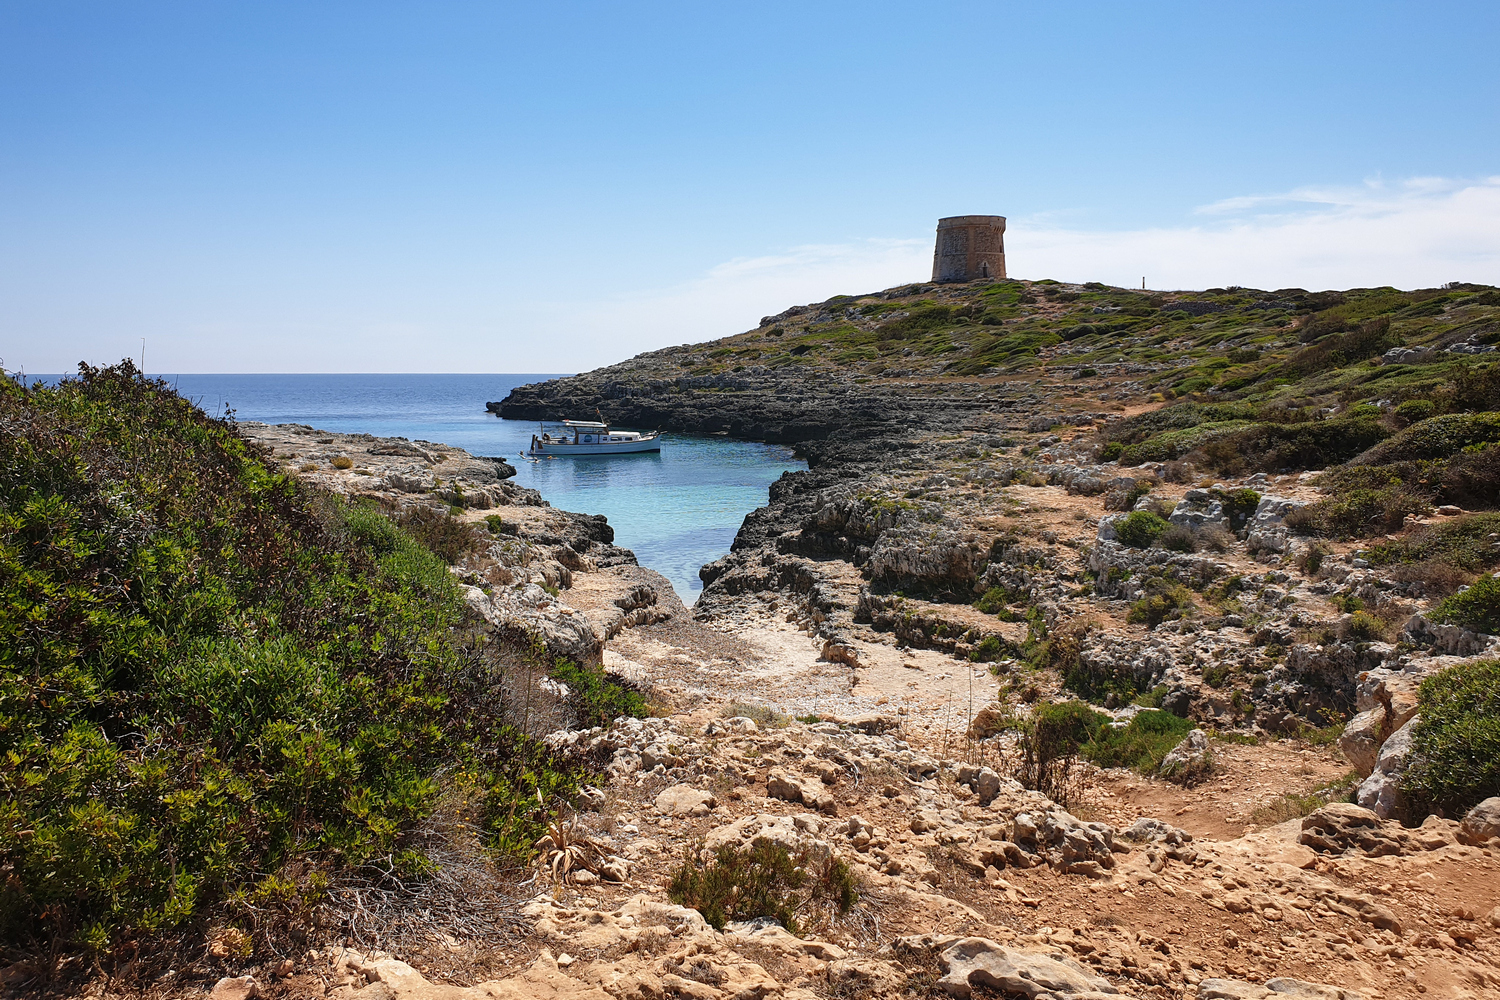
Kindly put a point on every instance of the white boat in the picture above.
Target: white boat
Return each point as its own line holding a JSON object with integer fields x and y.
{"x": 592, "y": 437}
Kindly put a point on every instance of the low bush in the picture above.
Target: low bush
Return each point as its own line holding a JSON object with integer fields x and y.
{"x": 1362, "y": 626}
{"x": 1415, "y": 410}
{"x": 216, "y": 682}
{"x": 1140, "y": 528}
{"x": 1435, "y": 437}
{"x": 1048, "y": 745}
{"x": 1465, "y": 543}
{"x": 1455, "y": 755}
{"x": 343, "y": 462}
{"x": 1165, "y": 600}
{"x": 499, "y": 525}
{"x": 596, "y": 697}
{"x": 1111, "y": 451}
{"x": 989, "y": 650}
{"x": 1371, "y": 337}
{"x": 1358, "y": 513}
{"x": 993, "y": 601}
{"x": 1476, "y": 609}
{"x": 440, "y": 532}
{"x": 1141, "y": 744}
{"x": 1239, "y": 505}
{"x": 1471, "y": 478}
{"x": 1312, "y": 444}
{"x": 764, "y": 879}
{"x": 1178, "y": 538}
{"x": 1471, "y": 388}
{"x": 1173, "y": 444}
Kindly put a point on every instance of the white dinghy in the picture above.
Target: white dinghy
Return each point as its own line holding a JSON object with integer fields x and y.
{"x": 592, "y": 437}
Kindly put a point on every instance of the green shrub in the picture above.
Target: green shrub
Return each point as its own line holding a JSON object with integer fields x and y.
{"x": 1048, "y": 744}
{"x": 1111, "y": 451}
{"x": 1363, "y": 627}
{"x": 989, "y": 650}
{"x": 1415, "y": 410}
{"x": 597, "y": 698}
{"x": 1140, "y": 528}
{"x": 1435, "y": 437}
{"x": 1471, "y": 478}
{"x": 440, "y": 532}
{"x": 1455, "y": 757}
{"x": 1165, "y": 600}
{"x": 499, "y": 526}
{"x": 763, "y": 880}
{"x": 1462, "y": 542}
{"x": 1471, "y": 387}
{"x": 1477, "y": 608}
{"x": 1141, "y": 744}
{"x": 211, "y": 675}
{"x": 1358, "y": 513}
{"x": 1239, "y": 505}
{"x": 1312, "y": 444}
{"x": 1175, "y": 443}
{"x": 1372, "y": 336}
{"x": 993, "y": 601}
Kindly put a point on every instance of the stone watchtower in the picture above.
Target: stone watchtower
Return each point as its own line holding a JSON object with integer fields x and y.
{"x": 969, "y": 247}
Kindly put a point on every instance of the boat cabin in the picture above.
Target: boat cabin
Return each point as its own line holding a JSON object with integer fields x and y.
{"x": 594, "y": 432}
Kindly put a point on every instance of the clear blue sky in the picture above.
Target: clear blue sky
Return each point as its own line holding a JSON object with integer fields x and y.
{"x": 542, "y": 187}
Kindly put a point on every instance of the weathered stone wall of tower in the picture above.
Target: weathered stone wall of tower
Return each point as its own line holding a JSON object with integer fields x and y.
{"x": 969, "y": 247}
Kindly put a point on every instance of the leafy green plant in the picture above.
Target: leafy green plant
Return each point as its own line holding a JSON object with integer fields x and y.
{"x": 1048, "y": 746}
{"x": 597, "y": 698}
{"x": 989, "y": 649}
{"x": 1435, "y": 437}
{"x": 1455, "y": 756}
{"x": 1415, "y": 410}
{"x": 764, "y": 879}
{"x": 1140, "y": 528}
{"x": 1358, "y": 513}
{"x": 211, "y": 674}
{"x": 1476, "y": 608}
{"x": 440, "y": 531}
{"x": 1141, "y": 744}
{"x": 1165, "y": 600}
{"x": 1362, "y": 627}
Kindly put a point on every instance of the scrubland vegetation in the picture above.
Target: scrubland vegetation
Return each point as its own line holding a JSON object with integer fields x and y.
{"x": 222, "y": 691}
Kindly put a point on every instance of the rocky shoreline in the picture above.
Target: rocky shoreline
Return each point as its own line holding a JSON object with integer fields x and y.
{"x": 959, "y": 553}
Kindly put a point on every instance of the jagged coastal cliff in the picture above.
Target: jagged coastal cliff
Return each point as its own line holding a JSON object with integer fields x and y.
{"x": 1114, "y": 643}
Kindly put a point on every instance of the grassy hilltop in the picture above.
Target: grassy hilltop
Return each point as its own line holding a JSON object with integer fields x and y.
{"x": 1223, "y": 340}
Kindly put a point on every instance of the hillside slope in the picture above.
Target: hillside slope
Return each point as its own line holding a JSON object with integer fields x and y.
{"x": 935, "y": 355}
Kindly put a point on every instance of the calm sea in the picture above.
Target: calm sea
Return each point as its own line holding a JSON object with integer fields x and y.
{"x": 676, "y": 509}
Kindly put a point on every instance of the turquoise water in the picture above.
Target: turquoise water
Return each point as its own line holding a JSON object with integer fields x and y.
{"x": 676, "y": 509}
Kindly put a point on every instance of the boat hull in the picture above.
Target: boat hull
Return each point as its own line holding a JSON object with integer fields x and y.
{"x": 559, "y": 449}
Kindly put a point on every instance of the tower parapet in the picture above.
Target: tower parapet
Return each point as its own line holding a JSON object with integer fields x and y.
{"x": 969, "y": 247}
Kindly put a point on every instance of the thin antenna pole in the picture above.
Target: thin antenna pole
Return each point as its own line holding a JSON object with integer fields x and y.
{"x": 143, "y": 355}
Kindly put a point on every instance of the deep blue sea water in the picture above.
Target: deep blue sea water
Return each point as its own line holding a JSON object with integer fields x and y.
{"x": 676, "y": 510}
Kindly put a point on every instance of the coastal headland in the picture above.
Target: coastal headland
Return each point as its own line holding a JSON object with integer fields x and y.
{"x": 1115, "y": 643}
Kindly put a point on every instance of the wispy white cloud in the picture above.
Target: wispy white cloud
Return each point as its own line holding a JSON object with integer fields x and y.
{"x": 1424, "y": 231}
